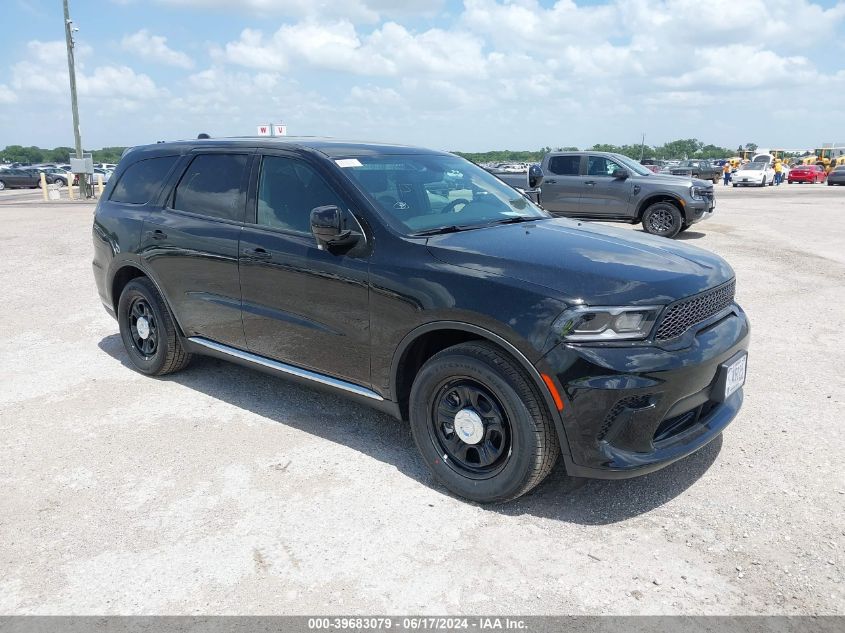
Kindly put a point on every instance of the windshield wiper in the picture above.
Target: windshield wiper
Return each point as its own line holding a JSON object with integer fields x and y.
{"x": 452, "y": 228}
{"x": 517, "y": 219}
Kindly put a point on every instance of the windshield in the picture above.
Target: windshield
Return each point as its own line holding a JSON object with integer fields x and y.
{"x": 633, "y": 165}
{"x": 426, "y": 192}
{"x": 754, "y": 166}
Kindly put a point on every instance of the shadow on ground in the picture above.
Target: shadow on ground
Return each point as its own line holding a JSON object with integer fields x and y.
{"x": 337, "y": 419}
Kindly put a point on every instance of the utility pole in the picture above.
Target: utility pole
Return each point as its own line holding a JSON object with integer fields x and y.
{"x": 642, "y": 148}
{"x": 77, "y": 137}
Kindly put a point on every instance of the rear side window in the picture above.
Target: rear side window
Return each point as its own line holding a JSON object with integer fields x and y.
{"x": 565, "y": 165}
{"x": 213, "y": 186}
{"x": 142, "y": 180}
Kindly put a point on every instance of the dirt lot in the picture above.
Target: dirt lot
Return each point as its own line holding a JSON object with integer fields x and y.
{"x": 222, "y": 490}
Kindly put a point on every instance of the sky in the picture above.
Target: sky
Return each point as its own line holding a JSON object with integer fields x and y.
{"x": 469, "y": 75}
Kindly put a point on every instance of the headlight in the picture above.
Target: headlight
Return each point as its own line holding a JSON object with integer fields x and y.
{"x": 697, "y": 193}
{"x": 606, "y": 323}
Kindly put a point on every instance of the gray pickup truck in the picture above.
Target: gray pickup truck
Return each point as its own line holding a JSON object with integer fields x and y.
{"x": 612, "y": 187}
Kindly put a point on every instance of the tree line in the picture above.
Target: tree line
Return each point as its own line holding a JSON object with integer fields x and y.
{"x": 34, "y": 155}
{"x": 679, "y": 149}
{"x": 682, "y": 148}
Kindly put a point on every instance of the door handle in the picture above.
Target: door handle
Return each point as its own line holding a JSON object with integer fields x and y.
{"x": 257, "y": 253}
{"x": 551, "y": 182}
{"x": 590, "y": 182}
{"x": 158, "y": 234}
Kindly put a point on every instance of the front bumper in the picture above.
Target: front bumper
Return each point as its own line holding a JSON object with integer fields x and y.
{"x": 756, "y": 182}
{"x": 698, "y": 210}
{"x": 632, "y": 410}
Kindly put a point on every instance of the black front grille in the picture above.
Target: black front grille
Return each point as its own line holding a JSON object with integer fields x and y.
{"x": 683, "y": 315}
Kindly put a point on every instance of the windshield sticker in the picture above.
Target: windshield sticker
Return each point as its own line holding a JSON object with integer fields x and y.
{"x": 348, "y": 162}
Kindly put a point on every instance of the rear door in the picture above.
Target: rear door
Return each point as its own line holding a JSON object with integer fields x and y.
{"x": 302, "y": 305}
{"x": 191, "y": 244}
{"x": 604, "y": 196}
{"x": 562, "y": 185}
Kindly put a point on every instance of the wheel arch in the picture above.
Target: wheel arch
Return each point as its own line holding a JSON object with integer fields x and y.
{"x": 660, "y": 197}
{"x": 426, "y": 340}
{"x": 126, "y": 273}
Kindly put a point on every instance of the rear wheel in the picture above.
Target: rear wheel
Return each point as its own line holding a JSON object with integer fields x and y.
{"x": 662, "y": 218}
{"x": 2, "y": 185}
{"x": 480, "y": 425}
{"x": 147, "y": 329}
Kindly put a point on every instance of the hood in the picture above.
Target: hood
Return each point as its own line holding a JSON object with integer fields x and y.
{"x": 595, "y": 264}
{"x": 669, "y": 179}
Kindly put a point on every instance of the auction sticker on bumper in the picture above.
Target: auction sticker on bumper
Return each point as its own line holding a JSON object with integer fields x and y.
{"x": 735, "y": 376}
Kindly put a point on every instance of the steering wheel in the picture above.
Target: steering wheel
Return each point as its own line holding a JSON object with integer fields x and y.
{"x": 450, "y": 208}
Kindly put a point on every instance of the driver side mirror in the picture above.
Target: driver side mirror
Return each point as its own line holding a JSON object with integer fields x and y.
{"x": 620, "y": 173}
{"x": 535, "y": 176}
{"x": 327, "y": 228}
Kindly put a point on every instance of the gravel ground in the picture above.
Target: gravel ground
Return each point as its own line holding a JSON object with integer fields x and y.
{"x": 223, "y": 490}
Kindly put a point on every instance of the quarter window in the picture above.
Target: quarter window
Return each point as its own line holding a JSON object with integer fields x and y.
{"x": 565, "y": 165}
{"x": 142, "y": 180}
{"x": 288, "y": 189}
{"x": 213, "y": 186}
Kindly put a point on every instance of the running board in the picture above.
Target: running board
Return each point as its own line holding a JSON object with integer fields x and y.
{"x": 283, "y": 368}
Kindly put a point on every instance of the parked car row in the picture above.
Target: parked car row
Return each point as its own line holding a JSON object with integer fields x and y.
{"x": 30, "y": 177}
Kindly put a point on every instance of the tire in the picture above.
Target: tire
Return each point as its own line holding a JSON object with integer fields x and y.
{"x": 736, "y": 185}
{"x": 515, "y": 444}
{"x": 763, "y": 184}
{"x": 161, "y": 351}
{"x": 662, "y": 218}
{"x": 2, "y": 185}
{"x": 684, "y": 227}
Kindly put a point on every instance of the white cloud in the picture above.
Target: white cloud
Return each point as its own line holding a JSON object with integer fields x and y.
{"x": 7, "y": 95}
{"x": 389, "y": 50}
{"x": 358, "y": 11}
{"x": 154, "y": 48}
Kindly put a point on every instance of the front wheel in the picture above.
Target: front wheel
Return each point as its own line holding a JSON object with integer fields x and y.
{"x": 662, "y": 218}
{"x": 480, "y": 425}
{"x": 147, "y": 329}
{"x": 2, "y": 185}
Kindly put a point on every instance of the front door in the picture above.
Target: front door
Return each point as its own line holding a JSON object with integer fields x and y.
{"x": 562, "y": 186}
{"x": 604, "y": 196}
{"x": 302, "y": 305}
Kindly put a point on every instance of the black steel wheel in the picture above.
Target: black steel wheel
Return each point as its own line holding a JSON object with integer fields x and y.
{"x": 662, "y": 218}
{"x": 481, "y": 424}
{"x": 148, "y": 331}
{"x": 470, "y": 426}
{"x": 142, "y": 324}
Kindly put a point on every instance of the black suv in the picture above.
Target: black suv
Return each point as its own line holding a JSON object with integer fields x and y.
{"x": 417, "y": 282}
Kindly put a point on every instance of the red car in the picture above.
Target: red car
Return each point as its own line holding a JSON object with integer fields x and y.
{"x": 807, "y": 173}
